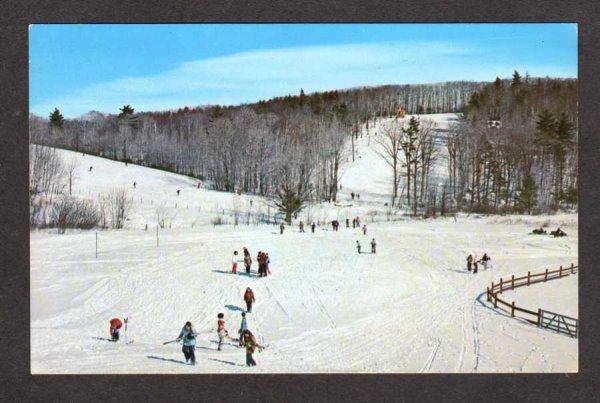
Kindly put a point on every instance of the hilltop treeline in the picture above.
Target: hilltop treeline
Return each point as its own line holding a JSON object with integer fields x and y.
{"x": 292, "y": 144}
{"x": 516, "y": 149}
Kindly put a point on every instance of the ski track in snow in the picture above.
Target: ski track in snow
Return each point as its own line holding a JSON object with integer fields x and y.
{"x": 412, "y": 307}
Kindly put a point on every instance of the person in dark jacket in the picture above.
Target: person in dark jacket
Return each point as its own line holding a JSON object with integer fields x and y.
{"x": 358, "y": 246}
{"x": 281, "y": 228}
{"x": 469, "y": 262}
{"x": 484, "y": 260}
{"x": 188, "y": 337}
{"x": 251, "y": 345}
{"x": 347, "y": 223}
{"x": 373, "y": 245}
{"x": 247, "y": 260}
{"x": 312, "y": 227}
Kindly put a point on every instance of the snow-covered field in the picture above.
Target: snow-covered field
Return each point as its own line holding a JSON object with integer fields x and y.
{"x": 412, "y": 307}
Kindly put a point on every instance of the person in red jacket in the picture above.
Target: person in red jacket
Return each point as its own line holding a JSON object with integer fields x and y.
{"x": 115, "y": 325}
{"x": 249, "y": 298}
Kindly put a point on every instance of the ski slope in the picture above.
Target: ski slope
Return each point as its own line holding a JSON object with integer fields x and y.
{"x": 410, "y": 308}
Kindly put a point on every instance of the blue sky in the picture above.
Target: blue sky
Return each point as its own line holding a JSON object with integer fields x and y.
{"x": 79, "y": 68}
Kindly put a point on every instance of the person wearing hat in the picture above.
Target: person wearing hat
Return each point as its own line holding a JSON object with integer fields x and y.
{"x": 188, "y": 337}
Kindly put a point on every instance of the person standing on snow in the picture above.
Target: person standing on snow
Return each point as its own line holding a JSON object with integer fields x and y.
{"x": 249, "y": 298}
{"x": 259, "y": 259}
{"x": 221, "y": 331}
{"x": 247, "y": 260}
{"x": 347, "y": 223}
{"x": 373, "y": 245}
{"x": 301, "y": 225}
{"x": 364, "y": 228}
{"x": 250, "y": 343}
{"x": 267, "y": 261}
{"x": 243, "y": 326}
{"x": 475, "y": 264}
{"x": 188, "y": 336}
{"x": 115, "y": 326}
{"x": 358, "y": 247}
{"x": 281, "y": 228}
{"x": 312, "y": 227}
{"x": 234, "y": 262}
{"x": 469, "y": 262}
{"x": 354, "y": 222}
{"x": 484, "y": 260}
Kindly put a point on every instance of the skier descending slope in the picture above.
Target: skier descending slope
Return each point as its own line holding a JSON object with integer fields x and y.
{"x": 358, "y": 246}
{"x": 188, "y": 336}
{"x": 115, "y": 327}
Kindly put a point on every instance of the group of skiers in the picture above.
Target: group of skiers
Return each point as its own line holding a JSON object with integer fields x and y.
{"x": 187, "y": 335}
{"x": 352, "y": 195}
{"x": 557, "y": 233}
{"x": 473, "y": 262}
{"x": 262, "y": 258}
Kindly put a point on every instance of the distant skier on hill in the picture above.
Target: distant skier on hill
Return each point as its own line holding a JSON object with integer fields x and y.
{"x": 354, "y": 222}
{"x": 178, "y": 192}
{"x": 90, "y": 170}
{"x": 281, "y": 228}
{"x": 259, "y": 260}
{"x": 358, "y": 247}
{"x": 347, "y": 223}
{"x": 301, "y": 225}
{"x": 266, "y": 262}
{"x": 249, "y": 299}
{"x": 134, "y": 184}
{"x": 221, "y": 331}
{"x": 352, "y": 195}
{"x": 115, "y": 327}
{"x": 373, "y": 245}
{"x": 312, "y": 227}
{"x": 188, "y": 336}
{"x": 364, "y": 229}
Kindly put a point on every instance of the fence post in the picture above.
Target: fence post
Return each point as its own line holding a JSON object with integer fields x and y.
{"x": 528, "y": 278}
{"x": 512, "y": 310}
{"x": 546, "y": 276}
{"x": 500, "y": 284}
{"x": 560, "y": 271}
{"x": 539, "y": 317}
{"x": 495, "y": 301}
{"x": 572, "y": 268}
{"x": 488, "y": 294}
{"x": 513, "y": 282}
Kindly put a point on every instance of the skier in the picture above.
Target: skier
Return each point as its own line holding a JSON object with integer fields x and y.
{"x": 281, "y": 228}
{"x": 484, "y": 260}
{"x": 469, "y": 262}
{"x": 301, "y": 225}
{"x": 115, "y": 326}
{"x": 134, "y": 184}
{"x": 221, "y": 331}
{"x": 259, "y": 259}
{"x": 358, "y": 247}
{"x": 188, "y": 335}
{"x": 90, "y": 170}
{"x": 247, "y": 260}
{"x": 250, "y": 343}
{"x": 266, "y": 269}
{"x": 373, "y": 245}
{"x": 243, "y": 326}
{"x": 178, "y": 192}
{"x": 312, "y": 227}
{"x": 352, "y": 195}
{"x": 364, "y": 229}
{"x": 354, "y": 222}
{"x": 347, "y": 223}
{"x": 249, "y": 298}
{"x": 234, "y": 262}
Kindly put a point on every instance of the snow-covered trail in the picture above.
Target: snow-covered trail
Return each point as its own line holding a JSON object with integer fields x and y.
{"x": 409, "y": 308}
{"x": 412, "y": 307}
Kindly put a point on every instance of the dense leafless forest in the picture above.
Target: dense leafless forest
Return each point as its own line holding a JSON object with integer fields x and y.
{"x": 292, "y": 148}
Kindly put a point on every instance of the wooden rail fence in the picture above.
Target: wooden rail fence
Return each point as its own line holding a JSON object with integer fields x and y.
{"x": 540, "y": 318}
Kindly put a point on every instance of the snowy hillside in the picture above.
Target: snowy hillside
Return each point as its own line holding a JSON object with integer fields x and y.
{"x": 411, "y": 307}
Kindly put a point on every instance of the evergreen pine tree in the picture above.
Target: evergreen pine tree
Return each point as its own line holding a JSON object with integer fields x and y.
{"x": 56, "y": 119}
{"x": 528, "y": 193}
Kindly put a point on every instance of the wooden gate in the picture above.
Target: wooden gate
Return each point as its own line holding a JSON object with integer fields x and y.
{"x": 560, "y": 323}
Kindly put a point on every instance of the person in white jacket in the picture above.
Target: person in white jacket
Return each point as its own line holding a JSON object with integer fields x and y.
{"x": 234, "y": 262}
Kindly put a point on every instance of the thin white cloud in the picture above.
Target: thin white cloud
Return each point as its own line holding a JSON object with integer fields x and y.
{"x": 253, "y": 75}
